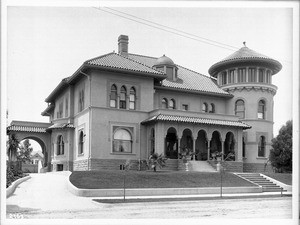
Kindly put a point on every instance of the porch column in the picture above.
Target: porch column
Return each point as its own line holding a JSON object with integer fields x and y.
{"x": 194, "y": 148}
{"x": 222, "y": 144}
{"x": 208, "y": 149}
{"x": 178, "y": 147}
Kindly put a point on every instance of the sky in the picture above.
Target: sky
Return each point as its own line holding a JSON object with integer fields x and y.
{"x": 47, "y": 44}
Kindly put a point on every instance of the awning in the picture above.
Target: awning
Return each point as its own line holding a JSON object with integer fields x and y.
{"x": 195, "y": 120}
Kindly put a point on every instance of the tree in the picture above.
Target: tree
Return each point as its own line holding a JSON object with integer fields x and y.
{"x": 281, "y": 154}
{"x": 24, "y": 152}
{"x": 12, "y": 147}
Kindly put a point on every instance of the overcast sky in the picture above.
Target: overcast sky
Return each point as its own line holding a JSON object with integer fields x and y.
{"x": 47, "y": 44}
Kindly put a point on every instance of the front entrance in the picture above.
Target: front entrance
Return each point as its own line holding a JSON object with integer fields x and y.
{"x": 201, "y": 146}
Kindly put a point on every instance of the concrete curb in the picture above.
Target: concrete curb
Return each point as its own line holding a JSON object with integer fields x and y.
{"x": 283, "y": 185}
{"x": 159, "y": 191}
{"x": 10, "y": 190}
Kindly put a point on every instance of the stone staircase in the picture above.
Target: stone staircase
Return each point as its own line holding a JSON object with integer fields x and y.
{"x": 267, "y": 186}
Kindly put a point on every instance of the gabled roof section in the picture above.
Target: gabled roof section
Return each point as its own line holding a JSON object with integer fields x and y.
{"x": 117, "y": 61}
{"x": 187, "y": 79}
{"x": 61, "y": 86}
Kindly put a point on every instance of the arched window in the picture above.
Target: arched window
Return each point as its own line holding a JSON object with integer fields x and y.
{"x": 123, "y": 98}
{"x": 132, "y": 98}
{"x": 60, "y": 145}
{"x": 240, "y": 108}
{"x": 261, "y": 146}
{"x": 80, "y": 143}
{"x": 164, "y": 103}
{"x": 172, "y": 104}
{"x": 113, "y": 96}
{"x": 122, "y": 141}
{"x": 204, "y": 107}
{"x": 212, "y": 108}
{"x": 261, "y": 109}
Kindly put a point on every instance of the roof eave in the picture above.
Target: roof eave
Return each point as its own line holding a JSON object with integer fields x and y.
{"x": 194, "y": 91}
{"x": 119, "y": 70}
{"x": 61, "y": 86}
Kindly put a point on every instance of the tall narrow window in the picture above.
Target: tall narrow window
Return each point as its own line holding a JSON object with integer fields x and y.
{"x": 268, "y": 77}
{"x": 122, "y": 141}
{"x": 261, "y": 109}
{"x": 123, "y": 98}
{"x": 164, "y": 103}
{"x": 67, "y": 107}
{"x": 242, "y": 75}
{"x": 60, "y": 110}
{"x": 231, "y": 77}
{"x": 81, "y": 100}
{"x": 261, "y": 146}
{"x": 80, "y": 143}
{"x": 132, "y": 97}
{"x": 204, "y": 107}
{"x": 152, "y": 139}
{"x": 224, "y": 78}
{"x": 60, "y": 145}
{"x": 240, "y": 108}
{"x": 212, "y": 108}
{"x": 113, "y": 96}
{"x": 261, "y": 75}
{"x": 172, "y": 104}
{"x": 252, "y": 75}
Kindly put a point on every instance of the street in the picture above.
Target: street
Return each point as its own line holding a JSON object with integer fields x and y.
{"x": 45, "y": 196}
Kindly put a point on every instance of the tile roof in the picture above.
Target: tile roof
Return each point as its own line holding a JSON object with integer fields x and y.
{"x": 187, "y": 79}
{"x": 196, "y": 120}
{"x": 248, "y": 55}
{"x": 117, "y": 61}
{"x": 61, "y": 126}
{"x": 26, "y": 128}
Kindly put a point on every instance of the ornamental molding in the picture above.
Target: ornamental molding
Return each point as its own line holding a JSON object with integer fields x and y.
{"x": 250, "y": 88}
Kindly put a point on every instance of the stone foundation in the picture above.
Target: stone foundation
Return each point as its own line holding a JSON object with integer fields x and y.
{"x": 229, "y": 166}
{"x": 80, "y": 165}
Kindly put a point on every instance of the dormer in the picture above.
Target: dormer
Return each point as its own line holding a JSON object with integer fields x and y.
{"x": 167, "y": 65}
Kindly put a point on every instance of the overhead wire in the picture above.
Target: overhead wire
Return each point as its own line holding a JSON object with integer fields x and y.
{"x": 159, "y": 26}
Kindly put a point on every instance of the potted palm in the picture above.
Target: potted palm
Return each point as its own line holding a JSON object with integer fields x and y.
{"x": 156, "y": 160}
{"x": 185, "y": 154}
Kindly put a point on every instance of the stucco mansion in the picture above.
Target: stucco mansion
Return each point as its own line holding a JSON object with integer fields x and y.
{"x": 122, "y": 106}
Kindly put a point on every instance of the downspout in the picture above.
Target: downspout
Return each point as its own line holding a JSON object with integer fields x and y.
{"x": 90, "y": 115}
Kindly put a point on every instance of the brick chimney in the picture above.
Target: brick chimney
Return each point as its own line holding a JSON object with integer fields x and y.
{"x": 123, "y": 45}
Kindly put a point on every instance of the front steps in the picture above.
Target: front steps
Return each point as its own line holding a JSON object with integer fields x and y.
{"x": 201, "y": 166}
{"x": 267, "y": 186}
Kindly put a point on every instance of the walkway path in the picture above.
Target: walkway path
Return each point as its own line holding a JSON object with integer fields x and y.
{"x": 46, "y": 196}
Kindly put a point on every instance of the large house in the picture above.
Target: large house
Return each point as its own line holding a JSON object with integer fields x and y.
{"x": 123, "y": 106}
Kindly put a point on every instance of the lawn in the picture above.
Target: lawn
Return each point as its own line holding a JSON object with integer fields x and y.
{"x": 106, "y": 179}
{"x": 285, "y": 178}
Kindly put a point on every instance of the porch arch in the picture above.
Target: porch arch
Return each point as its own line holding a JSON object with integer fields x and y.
{"x": 171, "y": 143}
{"x": 229, "y": 146}
{"x": 201, "y": 149}
{"x": 34, "y": 131}
{"x": 215, "y": 144}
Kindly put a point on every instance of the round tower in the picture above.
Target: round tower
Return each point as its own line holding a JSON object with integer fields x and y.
{"x": 247, "y": 75}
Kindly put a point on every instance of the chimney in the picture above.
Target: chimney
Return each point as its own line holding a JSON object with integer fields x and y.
{"x": 123, "y": 45}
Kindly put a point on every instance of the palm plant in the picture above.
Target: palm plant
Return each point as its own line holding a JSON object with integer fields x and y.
{"x": 12, "y": 148}
{"x": 156, "y": 160}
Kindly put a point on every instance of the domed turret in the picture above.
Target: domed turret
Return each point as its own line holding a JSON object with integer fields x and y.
{"x": 167, "y": 65}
